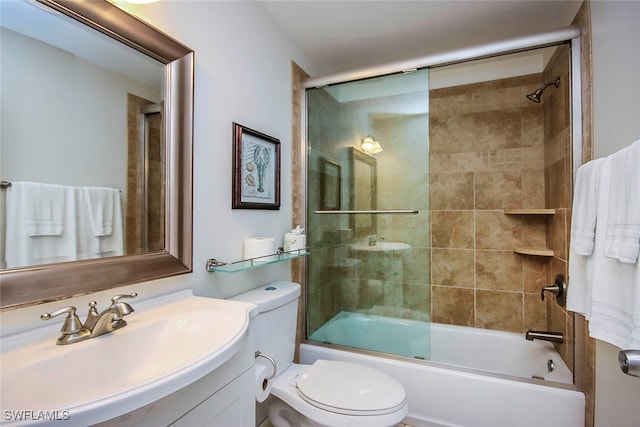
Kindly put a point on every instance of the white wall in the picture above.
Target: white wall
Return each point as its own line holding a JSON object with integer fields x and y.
{"x": 616, "y": 114}
{"x": 72, "y": 132}
{"x": 242, "y": 74}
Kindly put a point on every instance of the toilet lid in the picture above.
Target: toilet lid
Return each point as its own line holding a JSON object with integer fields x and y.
{"x": 351, "y": 389}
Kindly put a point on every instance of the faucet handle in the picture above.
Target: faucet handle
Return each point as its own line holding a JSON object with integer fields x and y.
{"x": 72, "y": 323}
{"x": 123, "y": 296}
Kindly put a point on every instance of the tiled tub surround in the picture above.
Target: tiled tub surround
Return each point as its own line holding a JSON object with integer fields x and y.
{"x": 487, "y": 155}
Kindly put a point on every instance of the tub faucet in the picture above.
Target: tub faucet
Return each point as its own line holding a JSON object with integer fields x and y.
{"x": 556, "y": 337}
{"x": 374, "y": 239}
{"x": 96, "y": 323}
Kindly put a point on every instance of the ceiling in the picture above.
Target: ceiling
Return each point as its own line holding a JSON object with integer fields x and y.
{"x": 347, "y": 35}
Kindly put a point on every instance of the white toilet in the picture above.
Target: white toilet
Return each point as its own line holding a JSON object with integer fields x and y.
{"x": 327, "y": 393}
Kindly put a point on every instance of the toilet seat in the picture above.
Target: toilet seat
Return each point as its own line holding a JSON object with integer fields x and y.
{"x": 350, "y": 389}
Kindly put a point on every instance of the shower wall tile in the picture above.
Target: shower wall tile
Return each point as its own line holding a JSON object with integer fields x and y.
{"x": 488, "y": 154}
{"x": 535, "y": 274}
{"x": 459, "y": 162}
{"x": 535, "y": 312}
{"x": 499, "y": 310}
{"x": 498, "y": 270}
{"x": 453, "y": 306}
{"x": 417, "y": 298}
{"x": 452, "y": 229}
{"x": 496, "y": 130}
{"x": 452, "y": 267}
{"x": 532, "y": 122}
{"x": 452, "y": 191}
{"x": 451, "y": 133}
{"x": 349, "y": 295}
{"x": 416, "y": 266}
{"x": 498, "y": 189}
{"x": 495, "y": 230}
{"x": 533, "y": 188}
{"x": 411, "y": 229}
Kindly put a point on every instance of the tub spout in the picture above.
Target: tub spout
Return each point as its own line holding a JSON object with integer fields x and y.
{"x": 556, "y": 337}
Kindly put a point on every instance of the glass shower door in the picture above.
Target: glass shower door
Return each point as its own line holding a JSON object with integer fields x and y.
{"x": 368, "y": 214}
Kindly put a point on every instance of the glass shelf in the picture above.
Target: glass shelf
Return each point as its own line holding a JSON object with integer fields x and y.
{"x": 248, "y": 264}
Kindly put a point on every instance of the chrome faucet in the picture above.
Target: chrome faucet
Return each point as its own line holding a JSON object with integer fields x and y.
{"x": 374, "y": 239}
{"x": 556, "y": 337}
{"x": 96, "y": 323}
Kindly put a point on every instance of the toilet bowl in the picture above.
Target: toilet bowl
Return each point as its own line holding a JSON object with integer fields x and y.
{"x": 327, "y": 393}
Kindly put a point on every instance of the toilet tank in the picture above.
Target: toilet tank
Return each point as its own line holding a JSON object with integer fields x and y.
{"x": 275, "y": 325}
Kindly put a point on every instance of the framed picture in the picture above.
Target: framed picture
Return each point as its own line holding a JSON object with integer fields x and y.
{"x": 330, "y": 185}
{"x": 256, "y": 169}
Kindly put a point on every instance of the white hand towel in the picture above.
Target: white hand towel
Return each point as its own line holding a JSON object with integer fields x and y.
{"x": 623, "y": 225}
{"x": 100, "y": 205}
{"x": 91, "y": 246}
{"x": 41, "y": 207}
{"x": 583, "y": 214}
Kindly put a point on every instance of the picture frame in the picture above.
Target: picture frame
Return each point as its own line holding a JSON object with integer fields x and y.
{"x": 256, "y": 169}
{"x": 330, "y": 185}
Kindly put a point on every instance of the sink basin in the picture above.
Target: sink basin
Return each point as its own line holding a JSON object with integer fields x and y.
{"x": 382, "y": 247}
{"x": 169, "y": 342}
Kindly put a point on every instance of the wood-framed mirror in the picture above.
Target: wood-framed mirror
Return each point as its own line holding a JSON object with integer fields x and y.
{"x": 33, "y": 284}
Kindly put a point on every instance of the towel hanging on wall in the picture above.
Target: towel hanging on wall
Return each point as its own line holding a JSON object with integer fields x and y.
{"x": 603, "y": 288}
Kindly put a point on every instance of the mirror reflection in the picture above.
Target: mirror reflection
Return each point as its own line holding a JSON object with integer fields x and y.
{"x": 364, "y": 195}
{"x": 82, "y": 146}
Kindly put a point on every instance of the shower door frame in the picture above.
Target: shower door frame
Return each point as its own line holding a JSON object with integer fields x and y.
{"x": 569, "y": 35}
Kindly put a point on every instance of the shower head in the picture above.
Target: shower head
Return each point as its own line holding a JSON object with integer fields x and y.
{"x": 535, "y": 96}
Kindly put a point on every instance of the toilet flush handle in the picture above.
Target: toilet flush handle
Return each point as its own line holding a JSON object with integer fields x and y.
{"x": 273, "y": 362}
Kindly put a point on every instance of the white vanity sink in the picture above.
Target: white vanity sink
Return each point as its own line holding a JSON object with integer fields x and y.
{"x": 169, "y": 342}
{"x": 382, "y": 247}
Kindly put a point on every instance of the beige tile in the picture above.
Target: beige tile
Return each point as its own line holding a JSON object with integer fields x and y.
{"x": 453, "y": 306}
{"x": 498, "y": 270}
{"x": 451, "y": 133}
{"x": 495, "y": 230}
{"x": 452, "y": 191}
{"x": 498, "y": 189}
{"x": 453, "y": 267}
{"x": 417, "y": 266}
{"x": 496, "y": 130}
{"x": 452, "y": 229}
{"x": 535, "y": 312}
{"x": 535, "y": 273}
{"x": 533, "y": 188}
{"x": 499, "y": 310}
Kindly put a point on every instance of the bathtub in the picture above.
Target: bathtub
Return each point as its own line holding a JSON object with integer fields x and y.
{"x": 475, "y": 378}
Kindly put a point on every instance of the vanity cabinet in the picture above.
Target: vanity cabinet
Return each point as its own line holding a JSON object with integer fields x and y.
{"x": 222, "y": 398}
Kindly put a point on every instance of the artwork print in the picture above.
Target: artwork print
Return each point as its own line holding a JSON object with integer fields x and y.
{"x": 256, "y": 170}
{"x": 258, "y": 163}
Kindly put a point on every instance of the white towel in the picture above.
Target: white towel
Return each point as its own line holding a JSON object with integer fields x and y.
{"x": 623, "y": 225}
{"x": 22, "y": 250}
{"x": 100, "y": 203}
{"x": 583, "y": 223}
{"x": 603, "y": 289}
{"x": 41, "y": 207}
{"x": 89, "y": 245}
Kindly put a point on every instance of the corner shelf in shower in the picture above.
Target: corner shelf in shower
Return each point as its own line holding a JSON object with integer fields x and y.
{"x": 543, "y": 252}
{"x": 529, "y": 211}
{"x": 248, "y": 264}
